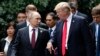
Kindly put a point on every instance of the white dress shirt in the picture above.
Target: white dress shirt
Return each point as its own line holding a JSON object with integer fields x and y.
{"x": 53, "y": 29}
{"x": 31, "y": 31}
{"x": 96, "y": 32}
{"x": 69, "y": 19}
{"x": 27, "y": 22}
{"x": 6, "y": 45}
{"x": 76, "y": 12}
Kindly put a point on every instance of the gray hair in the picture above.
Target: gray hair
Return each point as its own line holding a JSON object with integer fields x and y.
{"x": 32, "y": 14}
{"x": 62, "y": 5}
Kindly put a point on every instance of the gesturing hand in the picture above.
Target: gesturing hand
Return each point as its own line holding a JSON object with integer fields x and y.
{"x": 2, "y": 54}
{"x": 50, "y": 47}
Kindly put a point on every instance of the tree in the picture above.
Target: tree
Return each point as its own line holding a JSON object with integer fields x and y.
{"x": 9, "y": 9}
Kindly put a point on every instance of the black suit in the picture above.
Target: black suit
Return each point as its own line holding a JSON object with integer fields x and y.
{"x": 21, "y": 25}
{"x": 23, "y": 46}
{"x": 43, "y": 25}
{"x": 93, "y": 28}
{"x": 80, "y": 41}
{"x": 2, "y": 45}
{"x": 81, "y": 14}
{"x": 88, "y": 19}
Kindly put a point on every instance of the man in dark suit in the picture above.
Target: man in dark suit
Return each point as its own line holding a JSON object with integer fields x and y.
{"x": 29, "y": 8}
{"x": 51, "y": 20}
{"x": 21, "y": 17}
{"x": 72, "y": 36}
{"x": 31, "y": 40}
{"x": 95, "y": 27}
{"x": 74, "y": 8}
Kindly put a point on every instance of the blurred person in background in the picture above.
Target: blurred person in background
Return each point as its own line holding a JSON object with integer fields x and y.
{"x": 6, "y": 43}
{"x": 29, "y": 8}
{"x": 74, "y": 8}
{"x": 95, "y": 27}
{"x": 21, "y": 17}
{"x": 51, "y": 20}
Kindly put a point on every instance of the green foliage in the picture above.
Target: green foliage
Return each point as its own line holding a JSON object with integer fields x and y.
{"x": 87, "y": 4}
{"x": 9, "y": 8}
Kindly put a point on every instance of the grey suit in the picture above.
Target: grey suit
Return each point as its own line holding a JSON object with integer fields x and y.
{"x": 22, "y": 44}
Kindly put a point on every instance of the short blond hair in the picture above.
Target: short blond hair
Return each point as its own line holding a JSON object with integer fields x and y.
{"x": 96, "y": 10}
{"x": 62, "y": 5}
{"x": 31, "y": 7}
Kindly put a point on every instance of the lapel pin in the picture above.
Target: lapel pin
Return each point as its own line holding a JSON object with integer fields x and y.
{"x": 41, "y": 31}
{"x": 73, "y": 21}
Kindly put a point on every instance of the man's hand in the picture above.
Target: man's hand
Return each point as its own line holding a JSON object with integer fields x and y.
{"x": 50, "y": 47}
{"x": 2, "y": 54}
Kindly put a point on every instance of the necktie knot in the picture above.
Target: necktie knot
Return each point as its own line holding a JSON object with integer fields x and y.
{"x": 50, "y": 31}
{"x": 65, "y": 20}
{"x": 33, "y": 30}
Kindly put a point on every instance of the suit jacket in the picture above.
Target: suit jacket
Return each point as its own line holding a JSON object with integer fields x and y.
{"x": 22, "y": 44}
{"x": 21, "y": 25}
{"x": 80, "y": 41}
{"x": 93, "y": 28}
{"x": 81, "y": 14}
{"x": 43, "y": 25}
{"x": 2, "y": 45}
{"x": 89, "y": 20}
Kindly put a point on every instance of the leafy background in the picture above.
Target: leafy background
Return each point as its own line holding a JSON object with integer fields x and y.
{"x": 9, "y": 8}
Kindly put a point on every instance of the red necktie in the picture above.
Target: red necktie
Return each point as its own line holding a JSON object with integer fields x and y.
{"x": 64, "y": 33}
{"x": 33, "y": 38}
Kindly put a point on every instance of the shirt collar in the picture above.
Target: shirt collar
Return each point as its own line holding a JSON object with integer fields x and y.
{"x": 31, "y": 28}
{"x": 53, "y": 28}
{"x": 7, "y": 40}
{"x": 27, "y": 22}
{"x": 76, "y": 12}
{"x": 70, "y": 17}
{"x": 97, "y": 23}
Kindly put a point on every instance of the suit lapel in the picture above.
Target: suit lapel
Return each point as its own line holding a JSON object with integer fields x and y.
{"x": 71, "y": 27}
{"x": 27, "y": 36}
{"x": 38, "y": 36}
{"x": 94, "y": 28}
{"x": 60, "y": 29}
{"x": 3, "y": 42}
{"x": 25, "y": 24}
{"x": 99, "y": 32}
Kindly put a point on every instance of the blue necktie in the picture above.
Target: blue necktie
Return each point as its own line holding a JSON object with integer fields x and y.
{"x": 97, "y": 38}
{"x": 96, "y": 33}
{"x": 50, "y": 31}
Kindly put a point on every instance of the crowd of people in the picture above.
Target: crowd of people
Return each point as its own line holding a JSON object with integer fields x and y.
{"x": 67, "y": 32}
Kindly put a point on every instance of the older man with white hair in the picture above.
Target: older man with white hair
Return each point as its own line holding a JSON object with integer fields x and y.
{"x": 72, "y": 35}
{"x": 31, "y": 40}
{"x": 29, "y": 8}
